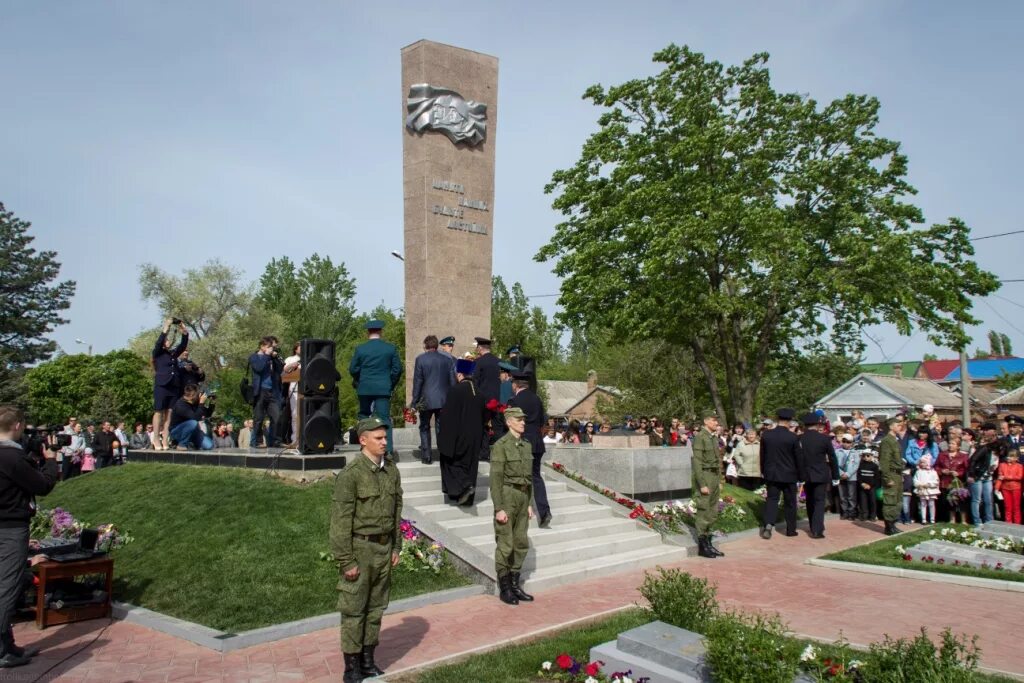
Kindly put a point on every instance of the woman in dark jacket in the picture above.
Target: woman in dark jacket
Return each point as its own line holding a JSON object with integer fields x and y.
{"x": 166, "y": 387}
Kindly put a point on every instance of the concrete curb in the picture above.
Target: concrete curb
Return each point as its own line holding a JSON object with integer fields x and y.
{"x": 227, "y": 642}
{"x": 882, "y": 570}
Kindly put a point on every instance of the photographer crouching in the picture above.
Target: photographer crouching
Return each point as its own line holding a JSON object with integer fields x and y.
{"x": 187, "y": 417}
{"x": 21, "y": 480}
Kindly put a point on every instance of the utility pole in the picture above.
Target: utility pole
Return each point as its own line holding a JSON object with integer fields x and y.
{"x": 965, "y": 386}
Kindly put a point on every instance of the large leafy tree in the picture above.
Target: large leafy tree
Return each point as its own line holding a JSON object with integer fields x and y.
{"x": 31, "y": 301}
{"x": 515, "y": 322}
{"x": 316, "y": 300}
{"x": 103, "y": 387}
{"x": 711, "y": 211}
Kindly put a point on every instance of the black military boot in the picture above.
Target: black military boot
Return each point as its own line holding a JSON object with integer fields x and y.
{"x": 506, "y": 594}
{"x": 353, "y": 670}
{"x": 891, "y": 529}
{"x": 711, "y": 546}
{"x": 517, "y": 591}
{"x": 367, "y": 666}
{"x": 704, "y": 548}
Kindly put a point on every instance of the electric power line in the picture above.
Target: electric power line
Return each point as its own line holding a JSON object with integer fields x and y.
{"x": 1001, "y": 316}
{"x": 1002, "y": 234}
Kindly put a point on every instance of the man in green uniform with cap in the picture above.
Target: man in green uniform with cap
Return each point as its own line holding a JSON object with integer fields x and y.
{"x": 511, "y": 491}
{"x": 706, "y": 471}
{"x": 366, "y": 510}
{"x": 890, "y": 469}
{"x": 376, "y": 369}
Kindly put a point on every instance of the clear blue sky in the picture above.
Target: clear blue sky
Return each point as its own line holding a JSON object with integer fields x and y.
{"x": 175, "y": 132}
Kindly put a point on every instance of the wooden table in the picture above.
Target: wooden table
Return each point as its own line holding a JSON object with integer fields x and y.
{"x": 49, "y": 570}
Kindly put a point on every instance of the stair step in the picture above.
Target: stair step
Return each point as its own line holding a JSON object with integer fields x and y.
{"x": 616, "y": 660}
{"x": 485, "y": 508}
{"x": 564, "y": 533}
{"x": 571, "y": 572}
{"x": 433, "y": 496}
{"x": 476, "y": 526}
{"x": 559, "y": 554}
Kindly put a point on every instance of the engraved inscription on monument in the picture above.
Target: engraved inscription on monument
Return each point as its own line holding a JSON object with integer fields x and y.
{"x": 446, "y": 111}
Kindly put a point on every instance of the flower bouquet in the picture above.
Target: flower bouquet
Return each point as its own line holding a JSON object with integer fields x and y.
{"x": 59, "y": 523}
{"x": 567, "y": 668}
{"x": 957, "y": 494}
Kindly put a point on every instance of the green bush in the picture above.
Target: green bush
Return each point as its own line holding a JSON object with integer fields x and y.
{"x": 751, "y": 648}
{"x": 910, "y": 661}
{"x": 680, "y": 599}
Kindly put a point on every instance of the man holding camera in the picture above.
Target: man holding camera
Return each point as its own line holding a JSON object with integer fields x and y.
{"x": 21, "y": 480}
{"x": 266, "y": 367}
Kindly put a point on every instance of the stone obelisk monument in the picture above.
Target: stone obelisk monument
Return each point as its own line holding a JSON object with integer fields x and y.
{"x": 449, "y": 107}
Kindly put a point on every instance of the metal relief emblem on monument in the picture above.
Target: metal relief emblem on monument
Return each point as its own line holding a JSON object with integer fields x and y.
{"x": 446, "y": 111}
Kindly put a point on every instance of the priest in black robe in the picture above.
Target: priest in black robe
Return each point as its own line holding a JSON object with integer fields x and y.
{"x": 463, "y": 431}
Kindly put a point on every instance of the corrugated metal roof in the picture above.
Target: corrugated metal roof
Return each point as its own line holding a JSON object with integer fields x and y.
{"x": 1011, "y": 398}
{"x": 938, "y": 369}
{"x": 989, "y": 368}
{"x": 909, "y": 368}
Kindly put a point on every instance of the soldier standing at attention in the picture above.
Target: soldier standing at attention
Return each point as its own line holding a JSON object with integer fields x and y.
{"x": 890, "y": 469}
{"x": 366, "y": 511}
{"x": 511, "y": 490}
{"x": 706, "y": 473}
{"x": 376, "y": 369}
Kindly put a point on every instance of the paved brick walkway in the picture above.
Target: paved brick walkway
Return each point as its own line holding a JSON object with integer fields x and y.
{"x": 768, "y": 575}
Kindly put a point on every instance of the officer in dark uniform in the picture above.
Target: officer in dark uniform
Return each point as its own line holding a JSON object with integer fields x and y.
{"x": 376, "y": 369}
{"x": 365, "y": 536}
{"x": 817, "y": 466}
{"x": 447, "y": 347}
{"x": 533, "y": 408}
{"x": 779, "y": 469}
{"x": 1015, "y": 439}
{"x": 486, "y": 377}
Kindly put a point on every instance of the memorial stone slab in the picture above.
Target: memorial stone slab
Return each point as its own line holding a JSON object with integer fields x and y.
{"x": 951, "y": 553}
{"x": 998, "y": 529}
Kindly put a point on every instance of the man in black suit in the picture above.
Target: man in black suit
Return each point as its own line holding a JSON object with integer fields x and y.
{"x": 533, "y": 408}
{"x": 817, "y": 465}
{"x": 779, "y": 469}
{"x": 487, "y": 377}
{"x": 433, "y": 376}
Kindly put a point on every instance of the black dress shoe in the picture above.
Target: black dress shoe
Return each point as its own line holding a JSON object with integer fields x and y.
{"x": 466, "y": 499}
{"x": 11, "y": 660}
{"x": 766, "y": 532}
{"x": 545, "y": 521}
{"x": 821, "y": 535}
{"x": 23, "y": 651}
{"x": 792, "y": 533}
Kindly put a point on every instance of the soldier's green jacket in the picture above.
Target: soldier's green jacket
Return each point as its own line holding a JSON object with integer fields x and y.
{"x": 367, "y": 500}
{"x": 705, "y": 464}
{"x": 890, "y": 463}
{"x": 511, "y": 463}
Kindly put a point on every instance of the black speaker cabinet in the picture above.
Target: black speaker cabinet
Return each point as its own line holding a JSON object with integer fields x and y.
{"x": 319, "y": 375}
{"x": 318, "y": 424}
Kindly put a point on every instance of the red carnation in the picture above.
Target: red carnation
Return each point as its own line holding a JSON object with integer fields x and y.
{"x": 564, "y": 662}
{"x": 907, "y": 557}
{"x": 593, "y": 668}
{"x": 492, "y": 405}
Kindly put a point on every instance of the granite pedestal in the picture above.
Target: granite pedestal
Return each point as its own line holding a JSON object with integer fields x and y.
{"x": 645, "y": 474}
{"x": 951, "y": 553}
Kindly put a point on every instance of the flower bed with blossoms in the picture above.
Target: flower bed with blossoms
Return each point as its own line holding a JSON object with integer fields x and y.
{"x": 967, "y": 537}
{"x": 567, "y": 668}
{"x": 738, "y": 509}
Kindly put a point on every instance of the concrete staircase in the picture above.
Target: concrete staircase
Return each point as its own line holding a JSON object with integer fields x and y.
{"x": 587, "y": 538}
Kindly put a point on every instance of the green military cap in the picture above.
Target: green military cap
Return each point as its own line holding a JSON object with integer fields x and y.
{"x": 708, "y": 414}
{"x": 515, "y": 412}
{"x": 374, "y": 324}
{"x": 370, "y": 424}
{"x": 447, "y": 341}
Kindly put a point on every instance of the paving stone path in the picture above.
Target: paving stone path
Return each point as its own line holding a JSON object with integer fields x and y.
{"x": 755, "y": 574}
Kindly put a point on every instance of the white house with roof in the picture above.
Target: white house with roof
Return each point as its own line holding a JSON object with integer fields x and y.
{"x": 884, "y": 396}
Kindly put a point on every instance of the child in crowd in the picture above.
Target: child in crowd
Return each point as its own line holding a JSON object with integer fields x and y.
{"x": 926, "y": 486}
{"x": 848, "y": 459}
{"x": 869, "y": 478}
{"x": 1008, "y": 481}
{"x": 88, "y": 461}
{"x": 906, "y": 517}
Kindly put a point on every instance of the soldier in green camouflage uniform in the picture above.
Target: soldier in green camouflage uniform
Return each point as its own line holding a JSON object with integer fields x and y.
{"x": 890, "y": 469}
{"x": 366, "y": 511}
{"x": 706, "y": 469}
{"x": 511, "y": 491}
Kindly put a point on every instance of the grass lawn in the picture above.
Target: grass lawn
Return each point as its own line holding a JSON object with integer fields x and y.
{"x": 519, "y": 663}
{"x": 230, "y": 549}
{"x": 751, "y": 503}
{"x": 883, "y": 553}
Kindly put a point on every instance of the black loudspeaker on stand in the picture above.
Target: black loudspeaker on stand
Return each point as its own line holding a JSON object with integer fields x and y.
{"x": 319, "y": 427}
